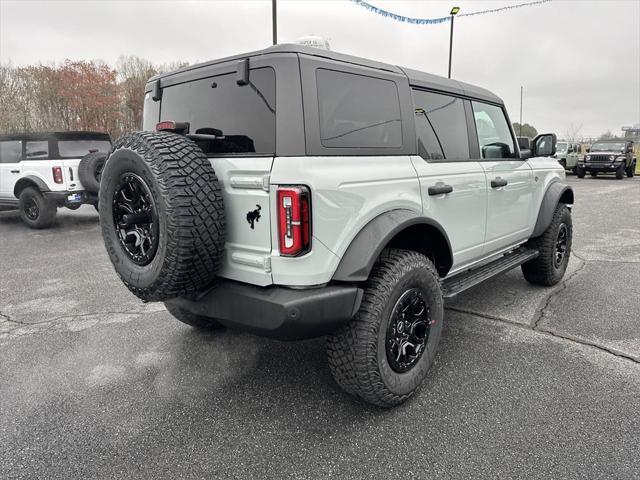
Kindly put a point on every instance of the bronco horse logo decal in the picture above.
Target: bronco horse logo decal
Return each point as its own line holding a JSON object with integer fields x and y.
{"x": 254, "y": 216}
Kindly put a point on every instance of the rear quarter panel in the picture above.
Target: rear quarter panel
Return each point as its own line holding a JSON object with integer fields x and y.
{"x": 346, "y": 194}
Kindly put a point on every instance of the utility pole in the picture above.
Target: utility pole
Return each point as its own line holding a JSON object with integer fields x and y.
{"x": 521, "y": 110}
{"x": 453, "y": 12}
{"x": 274, "y": 21}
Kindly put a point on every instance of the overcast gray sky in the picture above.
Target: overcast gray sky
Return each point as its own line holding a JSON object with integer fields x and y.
{"x": 579, "y": 61}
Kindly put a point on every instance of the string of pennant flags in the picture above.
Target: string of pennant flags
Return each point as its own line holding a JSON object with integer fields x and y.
{"x": 434, "y": 21}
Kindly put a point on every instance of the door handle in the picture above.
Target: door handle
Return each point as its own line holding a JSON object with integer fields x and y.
{"x": 15, "y": 171}
{"x": 498, "y": 182}
{"x": 440, "y": 188}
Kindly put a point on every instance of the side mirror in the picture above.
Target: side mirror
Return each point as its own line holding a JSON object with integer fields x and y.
{"x": 496, "y": 150}
{"x": 544, "y": 145}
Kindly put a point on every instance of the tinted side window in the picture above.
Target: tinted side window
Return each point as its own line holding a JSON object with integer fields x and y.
{"x": 494, "y": 135}
{"x": 37, "y": 150}
{"x": 79, "y": 148}
{"x": 446, "y": 116}
{"x": 358, "y": 111}
{"x": 429, "y": 147}
{"x": 244, "y": 115}
{"x": 10, "y": 151}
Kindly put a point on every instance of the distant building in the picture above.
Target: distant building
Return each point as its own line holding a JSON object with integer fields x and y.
{"x": 632, "y": 133}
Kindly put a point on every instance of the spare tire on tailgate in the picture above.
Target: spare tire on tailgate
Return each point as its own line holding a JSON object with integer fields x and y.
{"x": 161, "y": 215}
{"x": 90, "y": 170}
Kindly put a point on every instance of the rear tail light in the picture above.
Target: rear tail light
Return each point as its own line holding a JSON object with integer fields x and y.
{"x": 294, "y": 220}
{"x": 57, "y": 174}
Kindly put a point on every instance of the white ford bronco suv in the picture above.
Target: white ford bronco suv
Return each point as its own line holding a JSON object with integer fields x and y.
{"x": 295, "y": 192}
{"x": 40, "y": 172}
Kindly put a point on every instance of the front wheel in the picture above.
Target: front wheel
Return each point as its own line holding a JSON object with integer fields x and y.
{"x": 554, "y": 246}
{"x": 580, "y": 172}
{"x": 631, "y": 170}
{"x": 620, "y": 172}
{"x": 35, "y": 210}
{"x": 593, "y": 174}
{"x": 384, "y": 353}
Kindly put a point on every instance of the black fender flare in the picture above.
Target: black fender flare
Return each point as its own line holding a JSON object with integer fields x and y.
{"x": 557, "y": 192}
{"x": 365, "y": 248}
{"x": 27, "y": 181}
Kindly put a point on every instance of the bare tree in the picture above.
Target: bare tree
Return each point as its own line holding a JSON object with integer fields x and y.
{"x": 572, "y": 132}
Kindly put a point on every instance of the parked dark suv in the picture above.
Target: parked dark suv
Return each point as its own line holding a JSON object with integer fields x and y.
{"x": 608, "y": 156}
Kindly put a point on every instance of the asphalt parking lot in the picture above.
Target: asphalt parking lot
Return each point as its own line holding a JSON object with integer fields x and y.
{"x": 528, "y": 383}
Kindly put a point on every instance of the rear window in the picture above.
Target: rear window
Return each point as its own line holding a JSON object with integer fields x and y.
{"x": 79, "y": 148}
{"x": 357, "y": 111}
{"x": 246, "y": 115}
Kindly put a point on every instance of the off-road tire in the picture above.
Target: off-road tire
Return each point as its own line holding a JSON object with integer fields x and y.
{"x": 357, "y": 352}
{"x": 193, "y": 320}
{"x": 593, "y": 174}
{"x": 46, "y": 209}
{"x": 620, "y": 171}
{"x": 631, "y": 170}
{"x": 580, "y": 172}
{"x": 90, "y": 170}
{"x": 563, "y": 163}
{"x": 190, "y": 214}
{"x": 543, "y": 270}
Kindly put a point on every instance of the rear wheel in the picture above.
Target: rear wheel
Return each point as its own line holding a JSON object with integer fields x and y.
{"x": 563, "y": 162}
{"x": 35, "y": 210}
{"x": 196, "y": 321}
{"x": 554, "y": 246}
{"x": 161, "y": 215}
{"x": 384, "y": 353}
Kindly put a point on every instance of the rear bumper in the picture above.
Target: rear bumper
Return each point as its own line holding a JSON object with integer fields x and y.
{"x": 277, "y": 312}
{"x": 62, "y": 198}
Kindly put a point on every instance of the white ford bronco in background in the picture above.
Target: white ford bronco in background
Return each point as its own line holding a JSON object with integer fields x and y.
{"x": 40, "y": 172}
{"x": 295, "y": 192}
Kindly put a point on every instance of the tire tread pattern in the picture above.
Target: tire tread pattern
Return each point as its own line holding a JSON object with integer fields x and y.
{"x": 195, "y": 222}
{"x": 351, "y": 350}
{"x": 541, "y": 270}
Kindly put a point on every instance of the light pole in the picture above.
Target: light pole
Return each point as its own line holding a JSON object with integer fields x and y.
{"x": 274, "y": 21}
{"x": 521, "y": 88}
{"x": 453, "y": 12}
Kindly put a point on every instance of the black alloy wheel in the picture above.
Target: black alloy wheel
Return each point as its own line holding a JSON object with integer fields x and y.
{"x": 408, "y": 331}
{"x": 31, "y": 209}
{"x": 561, "y": 246}
{"x": 135, "y": 218}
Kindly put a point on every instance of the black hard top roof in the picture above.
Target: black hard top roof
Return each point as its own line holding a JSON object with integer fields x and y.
{"x": 74, "y": 135}
{"x": 415, "y": 77}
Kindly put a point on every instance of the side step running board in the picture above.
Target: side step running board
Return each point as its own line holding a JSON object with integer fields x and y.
{"x": 470, "y": 278}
